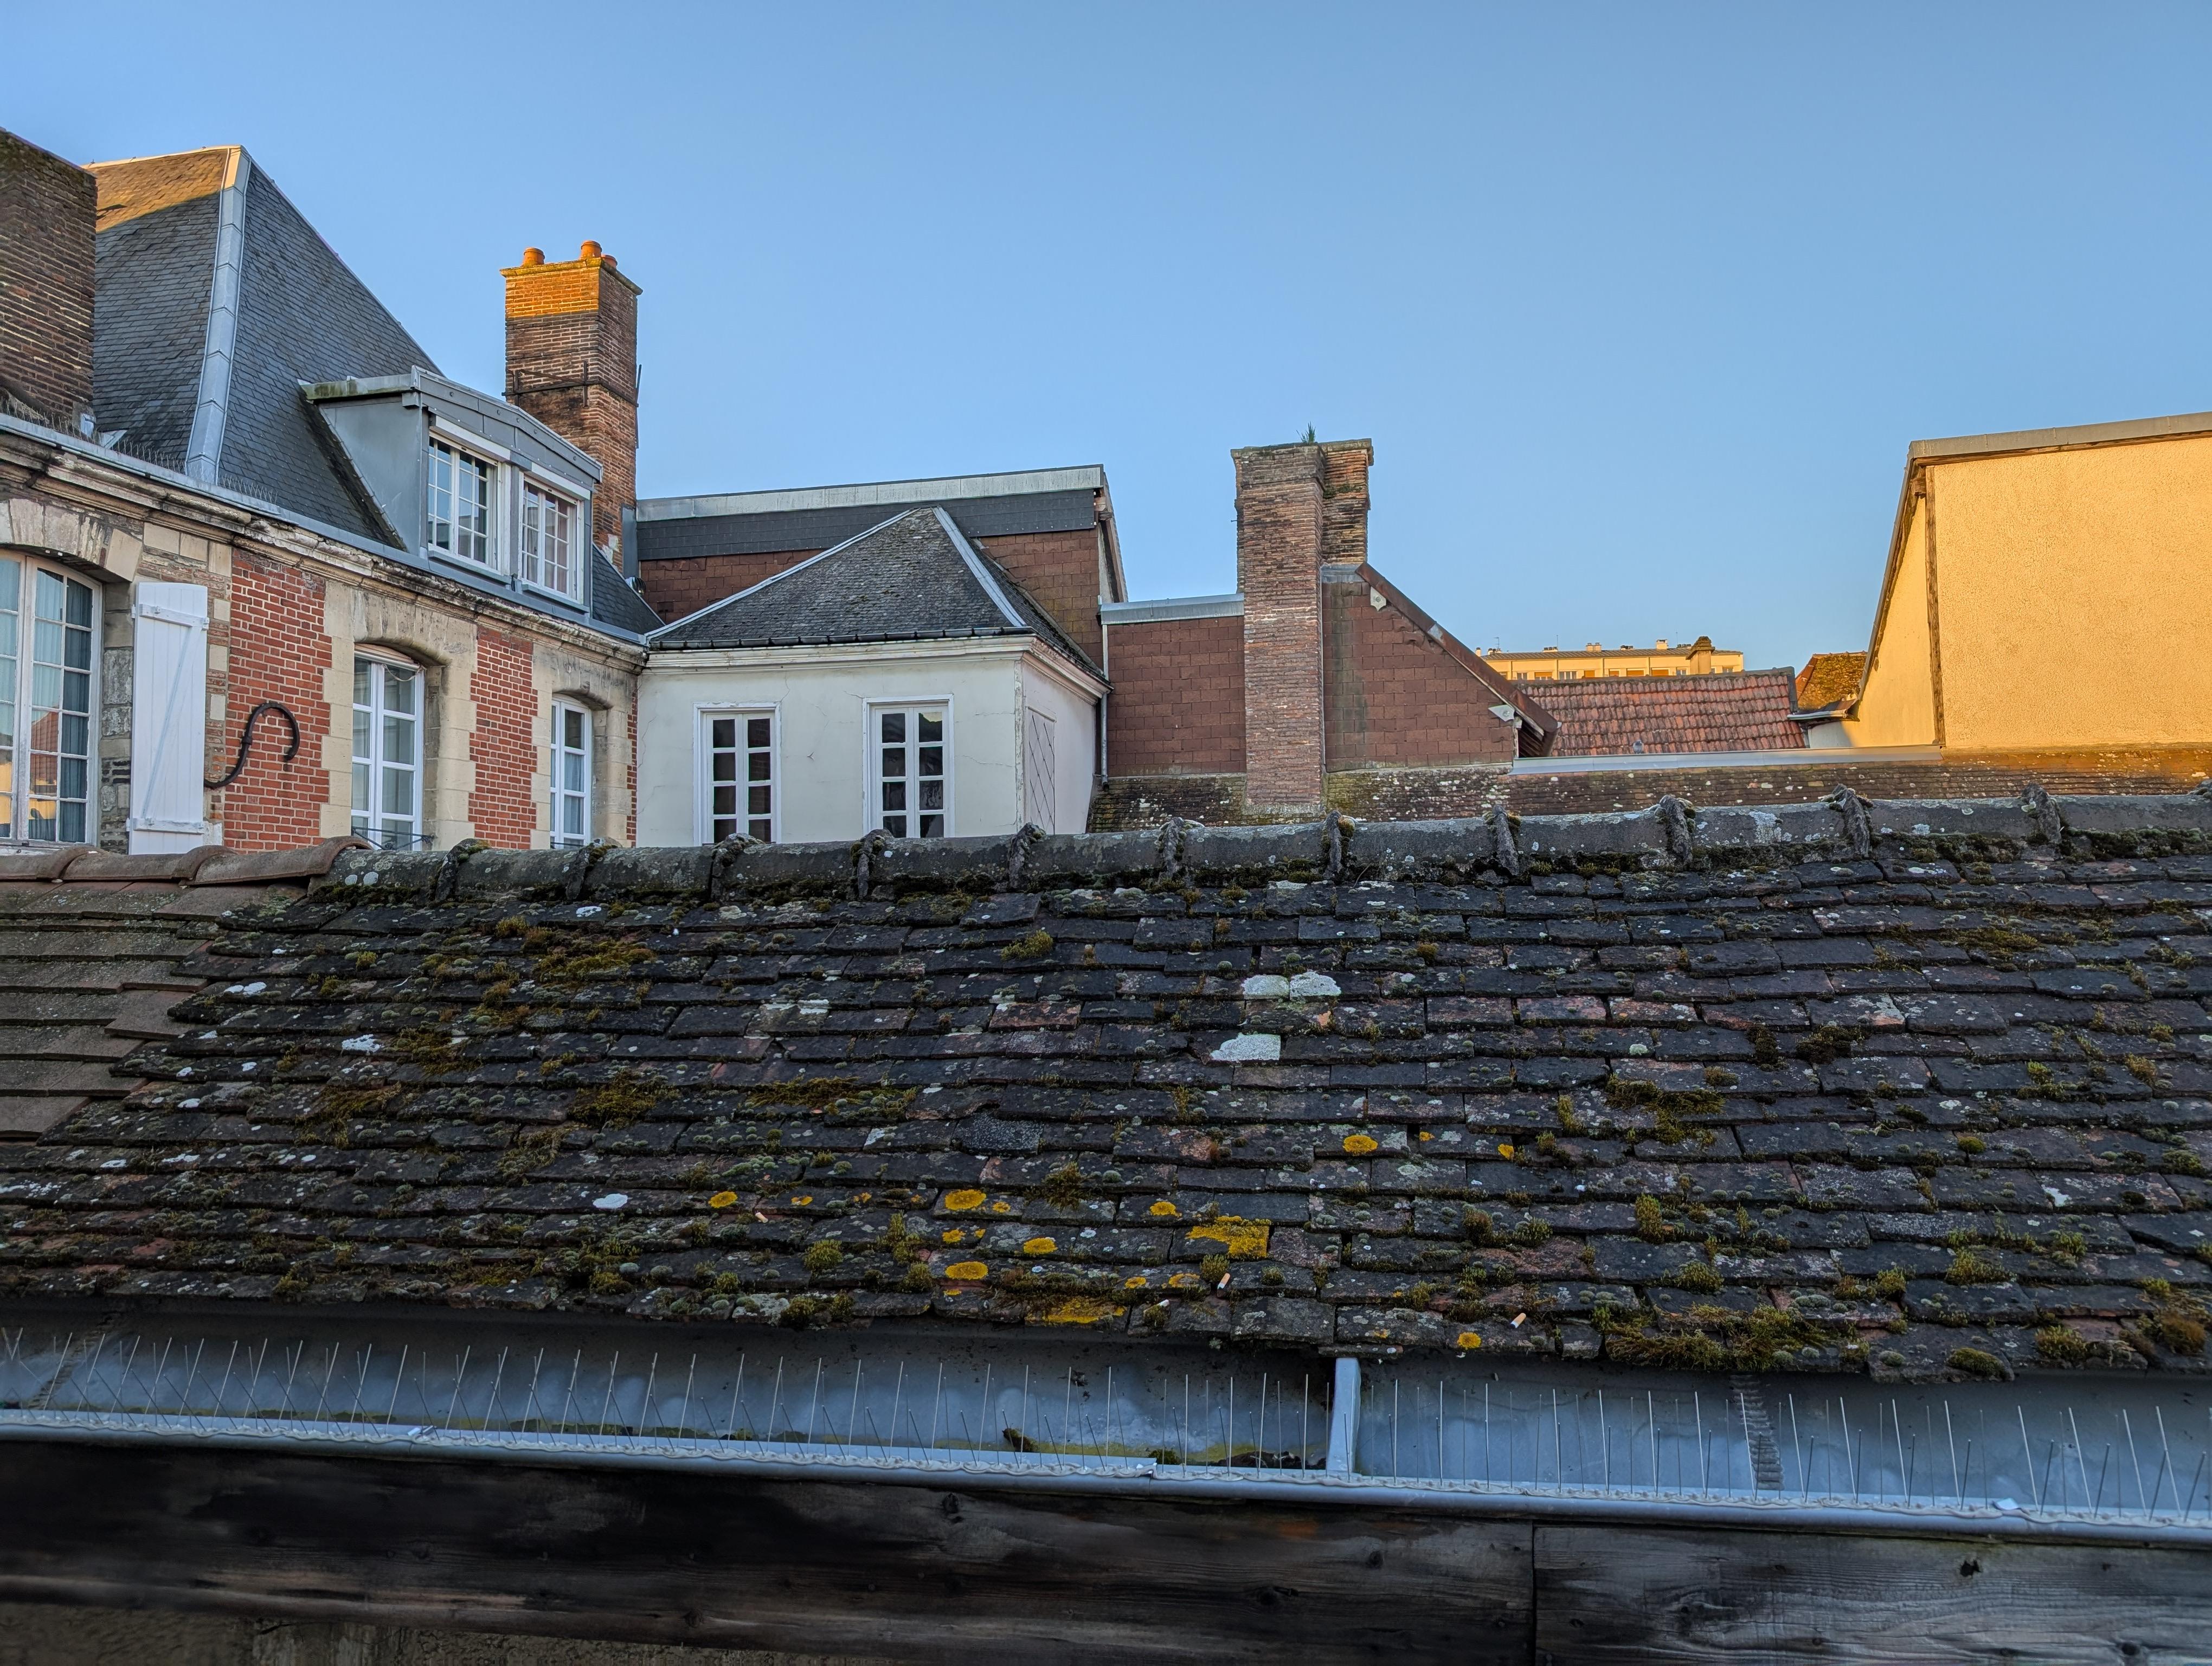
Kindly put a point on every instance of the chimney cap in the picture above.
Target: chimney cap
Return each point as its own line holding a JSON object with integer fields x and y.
{"x": 590, "y": 251}
{"x": 533, "y": 257}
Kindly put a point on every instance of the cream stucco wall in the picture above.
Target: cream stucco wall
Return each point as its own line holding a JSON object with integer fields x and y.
{"x": 1899, "y": 706}
{"x": 2054, "y": 563}
{"x": 2046, "y": 561}
{"x": 821, "y": 697}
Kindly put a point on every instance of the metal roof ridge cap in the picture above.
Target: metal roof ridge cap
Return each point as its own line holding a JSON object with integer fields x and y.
{"x": 975, "y": 567}
{"x": 1952, "y": 448}
{"x": 219, "y": 345}
{"x": 1083, "y": 476}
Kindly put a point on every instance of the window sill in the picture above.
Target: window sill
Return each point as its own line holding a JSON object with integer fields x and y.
{"x": 561, "y": 596}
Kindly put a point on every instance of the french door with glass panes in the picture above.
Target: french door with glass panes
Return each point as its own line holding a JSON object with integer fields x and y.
{"x": 911, "y": 792}
{"x": 387, "y": 753}
{"x": 572, "y": 776}
{"x": 741, "y": 789}
{"x": 47, "y": 620}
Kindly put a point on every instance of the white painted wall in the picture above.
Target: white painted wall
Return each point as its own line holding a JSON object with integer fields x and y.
{"x": 821, "y": 697}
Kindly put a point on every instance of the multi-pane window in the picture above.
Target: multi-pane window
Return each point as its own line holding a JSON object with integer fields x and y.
{"x": 45, "y": 704}
{"x": 387, "y": 753}
{"x": 741, "y": 786}
{"x": 549, "y": 538}
{"x": 460, "y": 520}
{"x": 572, "y": 776}
{"x": 908, "y": 771}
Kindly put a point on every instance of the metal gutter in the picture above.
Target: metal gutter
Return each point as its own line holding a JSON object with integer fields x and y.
{"x": 1229, "y": 606}
{"x": 886, "y": 494}
{"x": 1052, "y": 1475}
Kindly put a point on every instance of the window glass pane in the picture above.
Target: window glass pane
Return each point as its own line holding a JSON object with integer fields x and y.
{"x": 725, "y": 766}
{"x": 755, "y": 731}
{"x": 757, "y": 801}
{"x": 929, "y": 760}
{"x": 929, "y": 725}
{"x": 894, "y": 763}
{"x": 572, "y": 728}
{"x": 894, "y": 726}
{"x": 756, "y": 766}
{"x": 398, "y": 689}
{"x": 398, "y": 739}
{"x": 895, "y": 826}
{"x": 932, "y": 795}
{"x": 725, "y": 731}
{"x": 894, "y": 795}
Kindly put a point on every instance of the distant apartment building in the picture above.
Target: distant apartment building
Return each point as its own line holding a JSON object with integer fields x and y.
{"x": 1698, "y": 658}
{"x": 266, "y": 575}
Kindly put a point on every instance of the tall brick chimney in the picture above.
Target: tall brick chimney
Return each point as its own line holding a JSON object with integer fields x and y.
{"x": 572, "y": 363}
{"x": 47, "y": 211}
{"x": 1297, "y": 507}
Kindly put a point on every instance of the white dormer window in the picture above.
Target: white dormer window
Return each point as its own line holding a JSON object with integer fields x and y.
{"x": 461, "y": 520}
{"x": 549, "y": 541}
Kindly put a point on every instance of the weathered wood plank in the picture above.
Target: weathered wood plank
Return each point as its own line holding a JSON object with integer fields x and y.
{"x": 837, "y": 1568}
{"x": 1607, "y": 1594}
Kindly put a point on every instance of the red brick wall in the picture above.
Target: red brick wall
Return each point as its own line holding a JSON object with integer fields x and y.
{"x": 278, "y": 651}
{"x": 1177, "y": 706}
{"x": 504, "y": 747}
{"x": 47, "y": 211}
{"x": 1344, "y": 465}
{"x": 678, "y": 588}
{"x": 1278, "y": 546}
{"x": 1394, "y": 698}
{"x": 1061, "y": 569}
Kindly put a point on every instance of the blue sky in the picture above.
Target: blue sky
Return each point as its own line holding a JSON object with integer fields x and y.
{"x": 1640, "y": 305}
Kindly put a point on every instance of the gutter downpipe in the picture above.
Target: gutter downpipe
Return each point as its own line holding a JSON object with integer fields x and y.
{"x": 1141, "y": 1478}
{"x": 1343, "y": 1416}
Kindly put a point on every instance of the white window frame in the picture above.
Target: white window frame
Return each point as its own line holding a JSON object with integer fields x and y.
{"x": 703, "y": 777}
{"x": 558, "y": 754}
{"x": 871, "y": 763}
{"x": 443, "y": 438}
{"x": 18, "y": 687}
{"x": 373, "y": 831}
{"x": 527, "y": 560}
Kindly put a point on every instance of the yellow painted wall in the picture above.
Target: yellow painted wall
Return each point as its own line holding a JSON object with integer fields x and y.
{"x": 2057, "y": 564}
{"x": 1899, "y": 706}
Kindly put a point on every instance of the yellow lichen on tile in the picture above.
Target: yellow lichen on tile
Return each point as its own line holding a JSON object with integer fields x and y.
{"x": 1506, "y": 1151}
{"x": 806, "y": 1198}
{"x": 962, "y": 1201}
{"x": 721, "y": 1200}
{"x": 1137, "y": 1281}
{"x": 953, "y": 1235}
{"x": 1243, "y": 1239}
{"x": 1183, "y": 1280}
{"x": 967, "y": 1272}
{"x": 1002, "y": 1207}
{"x": 1039, "y": 1246}
{"x": 1467, "y": 1339}
{"x": 1164, "y": 1207}
{"x": 1359, "y": 1143}
{"x": 1079, "y": 1311}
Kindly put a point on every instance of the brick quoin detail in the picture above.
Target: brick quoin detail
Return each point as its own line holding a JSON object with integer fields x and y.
{"x": 1279, "y": 548}
{"x": 278, "y": 651}
{"x": 1178, "y": 702}
{"x": 504, "y": 747}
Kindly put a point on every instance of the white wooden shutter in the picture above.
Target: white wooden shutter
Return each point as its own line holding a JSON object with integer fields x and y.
{"x": 1037, "y": 776}
{"x": 168, "y": 717}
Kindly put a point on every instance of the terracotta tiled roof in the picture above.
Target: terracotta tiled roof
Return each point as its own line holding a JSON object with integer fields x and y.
{"x": 1828, "y": 679}
{"x": 1793, "y": 1062}
{"x": 1746, "y": 711}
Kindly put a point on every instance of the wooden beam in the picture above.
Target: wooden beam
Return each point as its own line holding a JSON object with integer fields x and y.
{"x": 1615, "y": 1594}
{"x": 824, "y": 1567}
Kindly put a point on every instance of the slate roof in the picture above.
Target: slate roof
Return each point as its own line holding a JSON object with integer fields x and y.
{"x": 1911, "y": 1088}
{"x": 914, "y": 577}
{"x": 613, "y": 601}
{"x": 1746, "y": 711}
{"x": 95, "y": 960}
{"x": 1829, "y": 679}
{"x": 302, "y": 317}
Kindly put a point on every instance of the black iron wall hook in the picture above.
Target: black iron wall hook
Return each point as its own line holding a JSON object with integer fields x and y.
{"x": 245, "y": 741}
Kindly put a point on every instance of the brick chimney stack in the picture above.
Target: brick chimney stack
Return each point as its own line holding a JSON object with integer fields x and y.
{"x": 1297, "y": 507}
{"x": 572, "y": 363}
{"x": 47, "y": 211}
